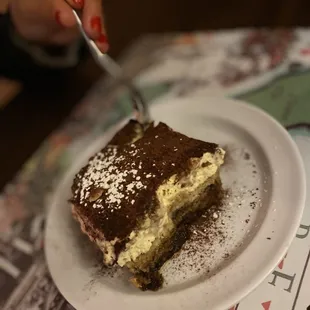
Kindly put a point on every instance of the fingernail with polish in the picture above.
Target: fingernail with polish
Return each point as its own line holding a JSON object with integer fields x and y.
{"x": 103, "y": 38}
{"x": 79, "y": 3}
{"x": 95, "y": 23}
{"x": 57, "y": 17}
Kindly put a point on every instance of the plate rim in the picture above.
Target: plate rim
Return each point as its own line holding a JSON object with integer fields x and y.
{"x": 232, "y": 300}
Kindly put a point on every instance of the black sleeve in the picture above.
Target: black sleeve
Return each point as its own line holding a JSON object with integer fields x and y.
{"x": 18, "y": 63}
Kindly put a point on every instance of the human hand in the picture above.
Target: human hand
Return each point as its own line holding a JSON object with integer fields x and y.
{"x": 52, "y": 21}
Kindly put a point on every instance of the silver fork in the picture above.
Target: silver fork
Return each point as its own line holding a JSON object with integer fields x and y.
{"x": 110, "y": 66}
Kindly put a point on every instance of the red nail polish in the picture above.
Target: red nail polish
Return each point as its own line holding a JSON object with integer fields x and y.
{"x": 103, "y": 38}
{"x": 79, "y": 3}
{"x": 95, "y": 23}
{"x": 57, "y": 17}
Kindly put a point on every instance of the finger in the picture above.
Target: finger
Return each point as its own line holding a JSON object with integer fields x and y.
{"x": 93, "y": 19}
{"x": 64, "y": 37}
{"x": 77, "y": 4}
{"x": 102, "y": 43}
{"x": 39, "y": 22}
{"x": 63, "y": 15}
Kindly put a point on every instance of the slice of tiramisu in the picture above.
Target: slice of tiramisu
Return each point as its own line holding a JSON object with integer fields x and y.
{"x": 135, "y": 197}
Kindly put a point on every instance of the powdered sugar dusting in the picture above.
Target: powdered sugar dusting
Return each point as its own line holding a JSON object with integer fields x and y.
{"x": 111, "y": 172}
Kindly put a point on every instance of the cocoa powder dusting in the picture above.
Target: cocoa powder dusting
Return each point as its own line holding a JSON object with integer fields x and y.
{"x": 117, "y": 187}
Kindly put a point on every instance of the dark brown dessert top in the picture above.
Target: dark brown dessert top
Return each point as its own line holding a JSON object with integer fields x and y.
{"x": 118, "y": 185}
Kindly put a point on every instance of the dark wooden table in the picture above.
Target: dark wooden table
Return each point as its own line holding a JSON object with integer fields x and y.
{"x": 32, "y": 115}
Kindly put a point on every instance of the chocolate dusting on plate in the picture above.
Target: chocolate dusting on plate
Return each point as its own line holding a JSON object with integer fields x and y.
{"x": 208, "y": 229}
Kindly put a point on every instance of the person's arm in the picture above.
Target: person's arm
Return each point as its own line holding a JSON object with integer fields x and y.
{"x": 27, "y": 62}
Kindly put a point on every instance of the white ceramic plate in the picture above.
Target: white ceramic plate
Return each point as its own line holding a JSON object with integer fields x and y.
{"x": 263, "y": 208}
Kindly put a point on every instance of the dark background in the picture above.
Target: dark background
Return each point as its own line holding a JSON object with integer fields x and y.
{"x": 126, "y": 20}
{"x": 34, "y": 114}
